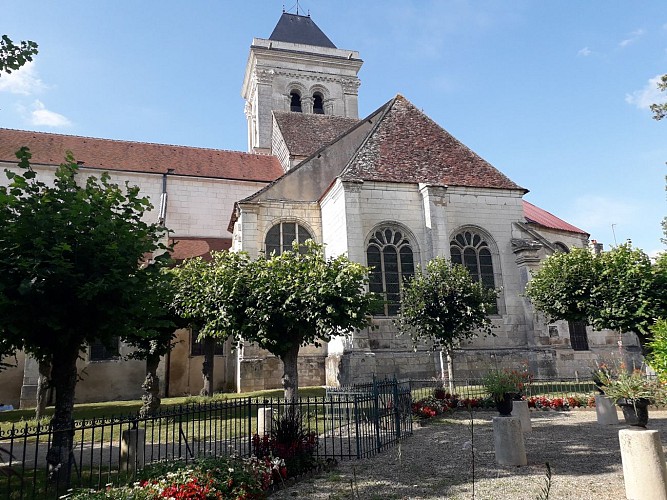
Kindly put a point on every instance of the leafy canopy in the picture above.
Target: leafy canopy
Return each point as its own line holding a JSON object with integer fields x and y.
{"x": 299, "y": 297}
{"x": 72, "y": 259}
{"x": 13, "y": 56}
{"x": 445, "y": 305}
{"x": 212, "y": 295}
{"x": 619, "y": 290}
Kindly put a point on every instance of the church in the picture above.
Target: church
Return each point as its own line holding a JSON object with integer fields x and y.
{"x": 391, "y": 191}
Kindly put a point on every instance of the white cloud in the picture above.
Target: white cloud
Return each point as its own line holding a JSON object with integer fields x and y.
{"x": 634, "y": 36}
{"x": 584, "y": 52}
{"x": 648, "y": 95}
{"x": 42, "y": 116}
{"x": 23, "y": 81}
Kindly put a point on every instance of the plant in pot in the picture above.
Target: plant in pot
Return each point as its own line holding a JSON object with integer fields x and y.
{"x": 633, "y": 392}
{"x": 503, "y": 385}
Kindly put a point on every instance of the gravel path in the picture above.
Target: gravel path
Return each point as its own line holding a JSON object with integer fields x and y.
{"x": 435, "y": 463}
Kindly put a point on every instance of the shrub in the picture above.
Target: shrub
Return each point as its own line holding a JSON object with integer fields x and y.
{"x": 289, "y": 441}
{"x": 219, "y": 478}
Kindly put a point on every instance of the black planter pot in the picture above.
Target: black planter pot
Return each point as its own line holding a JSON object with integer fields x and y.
{"x": 504, "y": 404}
{"x": 635, "y": 411}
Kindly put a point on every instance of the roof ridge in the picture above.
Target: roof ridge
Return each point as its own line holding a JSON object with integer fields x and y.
{"x": 133, "y": 142}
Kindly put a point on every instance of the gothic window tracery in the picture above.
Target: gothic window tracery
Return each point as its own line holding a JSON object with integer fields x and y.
{"x": 390, "y": 256}
{"x": 472, "y": 250}
{"x": 281, "y": 236}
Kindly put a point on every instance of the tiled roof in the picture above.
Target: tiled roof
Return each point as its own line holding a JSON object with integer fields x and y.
{"x": 112, "y": 155}
{"x": 198, "y": 247}
{"x": 299, "y": 29}
{"x": 407, "y": 146}
{"x": 543, "y": 218}
{"x": 305, "y": 133}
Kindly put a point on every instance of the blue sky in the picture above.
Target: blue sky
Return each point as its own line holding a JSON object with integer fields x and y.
{"x": 554, "y": 94}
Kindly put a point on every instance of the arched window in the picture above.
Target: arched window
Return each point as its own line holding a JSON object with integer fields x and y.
{"x": 318, "y": 103}
{"x": 561, "y": 247}
{"x": 390, "y": 257}
{"x": 472, "y": 251}
{"x": 295, "y": 101}
{"x": 281, "y": 236}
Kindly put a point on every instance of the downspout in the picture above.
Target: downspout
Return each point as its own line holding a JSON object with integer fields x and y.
{"x": 162, "y": 217}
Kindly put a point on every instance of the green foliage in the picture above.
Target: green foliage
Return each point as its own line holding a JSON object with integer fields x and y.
{"x": 299, "y": 297}
{"x": 500, "y": 382}
{"x": 211, "y": 295}
{"x": 280, "y": 303}
{"x": 445, "y": 305}
{"x": 562, "y": 287}
{"x": 72, "y": 266}
{"x": 660, "y": 110}
{"x": 619, "y": 290}
{"x": 658, "y": 349}
{"x": 631, "y": 385}
{"x": 13, "y": 56}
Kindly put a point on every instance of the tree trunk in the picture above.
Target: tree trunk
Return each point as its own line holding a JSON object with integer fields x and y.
{"x": 151, "y": 387}
{"x": 207, "y": 367}
{"x": 291, "y": 373}
{"x": 42, "y": 387}
{"x": 450, "y": 370}
{"x": 63, "y": 378}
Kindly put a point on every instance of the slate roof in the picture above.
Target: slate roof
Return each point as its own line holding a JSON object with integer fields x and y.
{"x": 112, "y": 155}
{"x": 305, "y": 133}
{"x": 299, "y": 29}
{"x": 540, "y": 216}
{"x": 406, "y": 146}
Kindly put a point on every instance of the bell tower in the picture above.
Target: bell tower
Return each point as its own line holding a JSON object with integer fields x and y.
{"x": 297, "y": 69}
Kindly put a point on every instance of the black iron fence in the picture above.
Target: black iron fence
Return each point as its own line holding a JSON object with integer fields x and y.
{"x": 110, "y": 450}
{"x": 474, "y": 388}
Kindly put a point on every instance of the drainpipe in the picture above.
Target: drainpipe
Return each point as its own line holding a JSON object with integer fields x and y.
{"x": 162, "y": 217}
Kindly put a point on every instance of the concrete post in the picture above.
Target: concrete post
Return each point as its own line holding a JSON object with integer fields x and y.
{"x": 605, "y": 410}
{"x": 644, "y": 469}
{"x": 520, "y": 410}
{"x": 133, "y": 442}
{"x": 508, "y": 441}
{"x": 264, "y": 419}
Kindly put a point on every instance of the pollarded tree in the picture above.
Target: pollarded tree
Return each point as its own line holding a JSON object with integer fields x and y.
{"x": 154, "y": 338}
{"x": 298, "y": 298}
{"x": 211, "y": 297}
{"x": 563, "y": 286}
{"x": 446, "y": 306}
{"x": 618, "y": 290}
{"x": 73, "y": 271}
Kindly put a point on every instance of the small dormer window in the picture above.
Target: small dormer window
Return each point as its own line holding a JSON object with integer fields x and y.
{"x": 318, "y": 103}
{"x": 295, "y": 101}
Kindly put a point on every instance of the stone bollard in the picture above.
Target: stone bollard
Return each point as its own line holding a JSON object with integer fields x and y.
{"x": 520, "y": 410}
{"x": 605, "y": 410}
{"x": 132, "y": 444}
{"x": 508, "y": 441}
{"x": 264, "y": 421}
{"x": 644, "y": 470}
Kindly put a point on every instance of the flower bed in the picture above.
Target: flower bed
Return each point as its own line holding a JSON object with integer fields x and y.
{"x": 441, "y": 402}
{"x": 221, "y": 478}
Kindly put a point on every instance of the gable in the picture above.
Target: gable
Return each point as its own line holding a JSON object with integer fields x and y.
{"x": 407, "y": 146}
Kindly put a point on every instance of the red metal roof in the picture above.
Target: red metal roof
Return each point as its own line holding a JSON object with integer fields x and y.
{"x": 108, "y": 154}
{"x": 543, "y": 218}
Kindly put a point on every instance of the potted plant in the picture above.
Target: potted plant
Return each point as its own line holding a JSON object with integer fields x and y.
{"x": 503, "y": 385}
{"x": 632, "y": 392}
